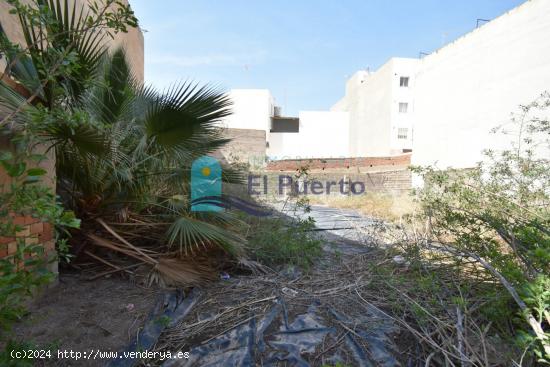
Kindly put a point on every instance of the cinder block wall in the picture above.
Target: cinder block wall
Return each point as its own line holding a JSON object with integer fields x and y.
{"x": 361, "y": 163}
{"x": 396, "y": 181}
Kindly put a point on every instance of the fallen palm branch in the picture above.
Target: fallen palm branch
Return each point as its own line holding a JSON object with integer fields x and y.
{"x": 165, "y": 269}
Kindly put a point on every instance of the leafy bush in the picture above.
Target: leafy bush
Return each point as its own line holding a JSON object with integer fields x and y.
{"x": 25, "y": 195}
{"x": 279, "y": 241}
{"x": 123, "y": 151}
{"x": 498, "y": 214}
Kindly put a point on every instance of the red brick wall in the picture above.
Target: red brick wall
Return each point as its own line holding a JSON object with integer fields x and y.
{"x": 33, "y": 231}
{"x": 293, "y": 164}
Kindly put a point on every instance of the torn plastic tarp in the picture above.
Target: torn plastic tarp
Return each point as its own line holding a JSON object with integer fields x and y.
{"x": 300, "y": 337}
{"x": 170, "y": 308}
{"x": 375, "y": 329}
{"x": 289, "y": 344}
{"x": 235, "y": 348}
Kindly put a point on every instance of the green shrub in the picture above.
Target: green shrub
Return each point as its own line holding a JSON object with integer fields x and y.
{"x": 498, "y": 215}
{"x": 279, "y": 241}
{"x": 25, "y": 195}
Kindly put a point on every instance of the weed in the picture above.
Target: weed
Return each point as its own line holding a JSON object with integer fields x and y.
{"x": 276, "y": 241}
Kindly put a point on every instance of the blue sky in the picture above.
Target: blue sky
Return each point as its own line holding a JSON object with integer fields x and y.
{"x": 302, "y": 50}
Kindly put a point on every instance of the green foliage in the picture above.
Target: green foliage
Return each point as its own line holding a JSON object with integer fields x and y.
{"x": 277, "y": 242}
{"x": 498, "y": 214}
{"x": 536, "y": 295}
{"x": 13, "y": 347}
{"x": 281, "y": 241}
{"x": 64, "y": 45}
{"x": 24, "y": 195}
{"x": 121, "y": 149}
{"x": 286, "y": 240}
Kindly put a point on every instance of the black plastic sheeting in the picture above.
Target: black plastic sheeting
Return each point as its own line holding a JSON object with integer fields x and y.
{"x": 374, "y": 328}
{"x": 287, "y": 345}
{"x": 168, "y": 311}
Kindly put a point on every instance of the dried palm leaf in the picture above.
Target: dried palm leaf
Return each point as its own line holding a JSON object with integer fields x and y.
{"x": 181, "y": 272}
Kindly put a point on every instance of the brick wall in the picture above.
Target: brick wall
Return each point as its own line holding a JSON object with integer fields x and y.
{"x": 392, "y": 181}
{"x": 331, "y": 163}
{"x": 246, "y": 146}
{"x": 33, "y": 231}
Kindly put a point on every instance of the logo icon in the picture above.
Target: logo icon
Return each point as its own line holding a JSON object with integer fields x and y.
{"x": 206, "y": 185}
{"x": 206, "y": 190}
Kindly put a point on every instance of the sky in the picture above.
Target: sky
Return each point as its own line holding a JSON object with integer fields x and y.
{"x": 303, "y": 51}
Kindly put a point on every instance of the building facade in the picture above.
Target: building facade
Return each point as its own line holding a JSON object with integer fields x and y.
{"x": 441, "y": 107}
{"x": 321, "y": 134}
{"x": 444, "y": 105}
{"x": 381, "y": 108}
{"x": 475, "y": 83}
{"x": 313, "y": 134}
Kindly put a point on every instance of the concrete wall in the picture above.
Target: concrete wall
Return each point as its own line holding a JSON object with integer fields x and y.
{"x": 473, "y": 84}
{"x": 353, "y": 102}
{"x": 322, "y": 134}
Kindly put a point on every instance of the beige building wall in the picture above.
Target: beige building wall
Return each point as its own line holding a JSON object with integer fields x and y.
{"x": 372, "y": 100}
{"x": 131, "y": 41}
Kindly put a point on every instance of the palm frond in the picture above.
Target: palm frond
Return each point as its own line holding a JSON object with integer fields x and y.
{"x": 54, "y": 37}
{"x": 184, "y": 119}
{"x": 11, "y": 102}
{"x": 19, "y": 66}
{"x": 190, "y": 235}
{"x": 113, "y": 93}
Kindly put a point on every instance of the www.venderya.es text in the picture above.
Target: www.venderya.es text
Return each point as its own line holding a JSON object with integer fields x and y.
{"x": 95, "y": 354}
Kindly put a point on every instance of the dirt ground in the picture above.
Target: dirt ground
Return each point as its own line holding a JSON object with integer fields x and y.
{"x": 316, "y": 318}
{"x": 82, "y": 315}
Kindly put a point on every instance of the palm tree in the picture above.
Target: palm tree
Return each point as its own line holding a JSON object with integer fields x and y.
{"x": 123, "y": 151}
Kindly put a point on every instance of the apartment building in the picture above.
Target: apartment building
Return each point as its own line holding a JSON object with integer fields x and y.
{"x": 312, "y": 134}
{"x": 381, "y": 109}
{"x": 444, "y": 105}
{"x": 441, "y": 107}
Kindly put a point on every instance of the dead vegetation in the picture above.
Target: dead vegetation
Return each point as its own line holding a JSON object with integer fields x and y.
{"x": 432, "y": 309}
{"x": 334, "y": 287}
{"x": 388, "y": 206}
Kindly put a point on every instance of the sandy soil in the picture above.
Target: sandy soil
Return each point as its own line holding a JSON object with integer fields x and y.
{"x": 82, "y": 315}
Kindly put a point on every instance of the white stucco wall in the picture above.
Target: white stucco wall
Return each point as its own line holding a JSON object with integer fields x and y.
{"x": 323, "y": 134}
{"x": 468, "y": 87}
{"x": 252, "y": 109}
{"x": 275, "y": 149}
{"x": 402, "y": 67}
{"x": 372, "y": 100}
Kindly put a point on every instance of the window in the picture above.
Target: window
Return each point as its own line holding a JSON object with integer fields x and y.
{"x": 402, "y": 133}
{"x": 403, "y": 107}
{"x": 404, "y": 81}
